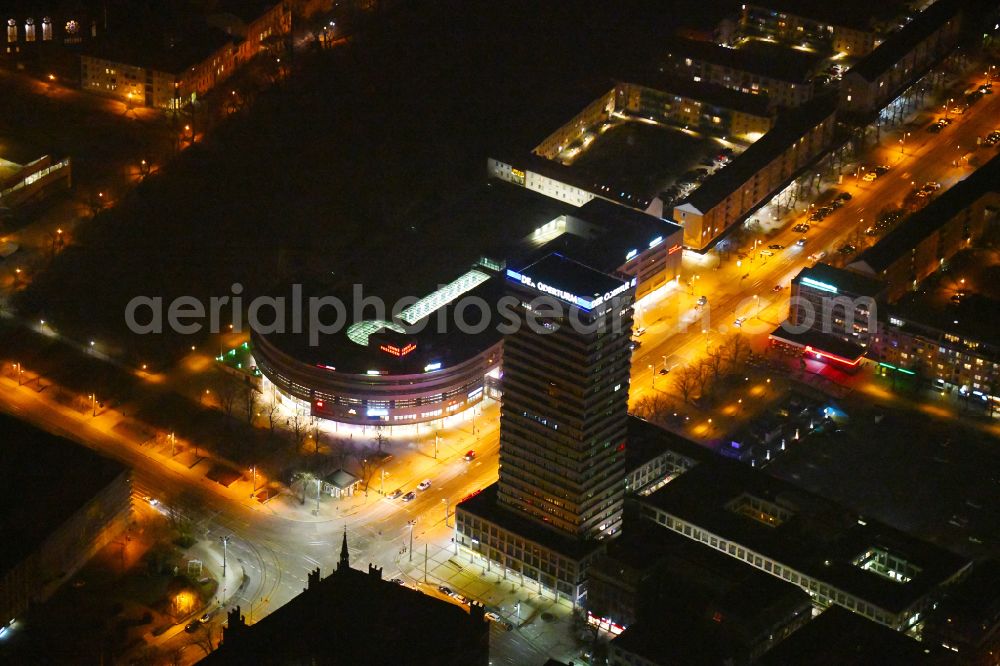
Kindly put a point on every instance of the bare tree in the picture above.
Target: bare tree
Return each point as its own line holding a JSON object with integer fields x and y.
{"x": 654, "y": 408}
{"x": 249, "y": 402}
{"x": 703, "y": 378}
{"x": 686, "y": 380}
{"x": 203, "y": 637}
{"x": 715, "y": 362}
{"x": 271, "y": 410}
{"x": 298, "y": 425}
{"x": 737, "y": 351}
{"x": 303, "y": 478}
{"x": 367, "y": 463}
{"x": 227, "y": 392}
{"x": 379, "y": 438}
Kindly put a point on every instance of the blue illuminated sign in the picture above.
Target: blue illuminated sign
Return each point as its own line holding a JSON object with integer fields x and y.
{"x": 816, "y": 284}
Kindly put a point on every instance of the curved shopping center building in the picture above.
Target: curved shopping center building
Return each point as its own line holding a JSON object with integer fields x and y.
{"x": 413, "y": 369}
{"x": 420, "y": 366}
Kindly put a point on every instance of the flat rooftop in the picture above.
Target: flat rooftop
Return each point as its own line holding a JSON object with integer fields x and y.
{"x": 574, "y": 281}
{"x": 634, "y": 161}
{"x": 926, "y": 221}
{"x": 46, "y": 480}
{"x": 763, "y": 59}
{"x": 976, "y": 316}
{"x": 173, "y": 52}
{"x": 697, "y": 605}
{"x": 839, "y": 637}
{"x": 839, "y": 280}
{"x": 17, "y": 152}
{"x": 789, "y": 128}
{"x": 703, "y": 91}
{"x": 814, "y": 535}
{"x": 856, "y": 14}
{"x": 647, "y": 441}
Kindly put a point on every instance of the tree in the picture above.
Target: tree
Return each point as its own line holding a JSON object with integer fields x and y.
{"x": 227, "y": 391}
{"x": 737, "y": 351}
{"x": 271, "y": 411}
{"x": 367, "y": 464}
{"x": 656, "y": 408}
{"x": 686, "y": 380}
{"x": 715, "y": 362}
{"x": 379, "y": 438}
{"x": 249, "y": 402}
{"x": 303, "y": 478}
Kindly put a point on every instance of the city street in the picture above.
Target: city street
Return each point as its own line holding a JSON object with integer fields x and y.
{"x": 677, "y": 330}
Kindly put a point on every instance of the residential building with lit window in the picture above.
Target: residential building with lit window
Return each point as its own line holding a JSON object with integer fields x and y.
{"x": 902, "y": 59}
{"x": 60, "y": 503}
{"x": 699, "y": 106}
{"x": 784, "y": 76}
{"x": 188, "y": 60}
{"x": 733, "y": 193}
{"x": 837, "y": 556}
{"x": 928, "y": 238}
{"x": 853, "y": 27}
{"x": 563, "y": 426}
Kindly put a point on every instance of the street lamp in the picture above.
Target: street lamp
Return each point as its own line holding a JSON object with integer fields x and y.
{"x": 411, "y": 523}
{"x": 19, "y": 370}
{"x": 225, "y": 554}
{"x": 93, "y": 404}
{"x": 253, "y": 472}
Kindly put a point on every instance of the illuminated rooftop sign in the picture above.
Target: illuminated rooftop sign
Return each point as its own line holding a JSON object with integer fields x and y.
{"x": 568, "y": 296}
{"x": 816, "y": 284}
{"x": 431, "y": 367}
{"x": 397, "y": 351}
{"x": 656, "y": 241}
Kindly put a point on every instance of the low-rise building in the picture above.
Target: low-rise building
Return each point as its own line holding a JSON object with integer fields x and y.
{"x": 967, "y": 621}
{"x": 928, "y": 238}
{"x": 783, "y": 75}
{"x": 904, "y": 57}
{"x": 183, "y": 62}
{"x": 838, "y": 637}
{"x": 853, "y": 28}
{"x": 672, "y": 600}
{"x": 729, "y": 196}
{"x": 59, "y": 504}
{"x": 703, "y": 106}
{"x": 837, "y": 556}
{"x": 28, "y": 174}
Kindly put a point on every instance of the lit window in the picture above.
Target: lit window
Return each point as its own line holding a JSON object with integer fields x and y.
{"x": 46, "y": 29}
{"x": 29, "y": 30}
{"x": 11, "y": 30}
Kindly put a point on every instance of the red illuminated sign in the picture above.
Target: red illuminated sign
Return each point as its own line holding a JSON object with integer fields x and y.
{"x": 398, "y": 351}
{"x": 834, "y": 357}
{"x": 675, "y": 248}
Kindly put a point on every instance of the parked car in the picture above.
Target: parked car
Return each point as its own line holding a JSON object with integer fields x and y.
{"x": 844, "y": 196}
{"x": 776, "y": 246}
{"x": 444, "y": 589}
{"x": 836, "y": 203}
{"x": 818, "y": 256}
{"x": 410, "y": 496}
{"x": 846, "y": 249}
{"x": 869, "y": 177}
{"x": 766, "y": 253}
{"x": 739, "y": 322}
{"x": 395, "y": 493}
{"x": 424, "y": 485}
{"x": 881, "y": 170}
{"x": 800, "y": 228}
{"x": 397, "y": 581}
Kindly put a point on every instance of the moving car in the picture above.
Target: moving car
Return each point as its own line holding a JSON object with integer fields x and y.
{"x": 739, "y": 322}
{"x": 802, "y": 241}
{"x": 817, "y": 256}
{"x": 470, "y": 455}
{"x": 992, "y": 138}
{"x": 776, "y": 246}
{"x": 410, "y": 496}
{"x": 702, "y": 301}
{"x": 777, "y": 287}
{"x": 424, "y": 485}
{"x": 800, "y": 228}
